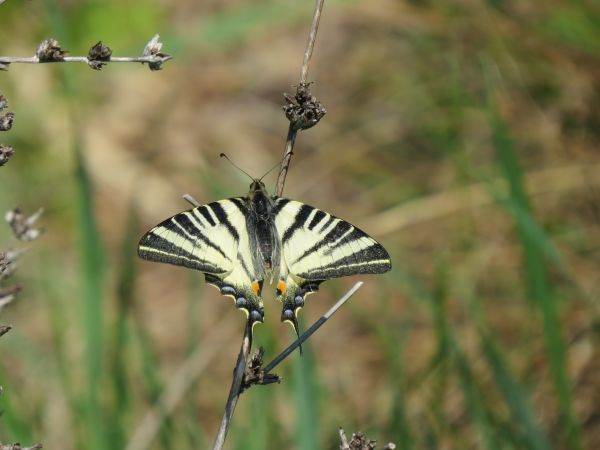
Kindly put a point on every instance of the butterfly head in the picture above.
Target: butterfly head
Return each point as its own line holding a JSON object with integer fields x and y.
{"x": 257, "y": 186}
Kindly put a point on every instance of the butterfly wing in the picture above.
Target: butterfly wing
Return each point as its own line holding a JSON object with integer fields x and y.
{"x": 213, "y": 239}
{"x": 317, "y": 246}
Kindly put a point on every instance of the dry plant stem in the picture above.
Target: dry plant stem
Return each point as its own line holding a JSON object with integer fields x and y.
{"x": 312, "y": 329}
{"x": 292, "y": 133}
{"x": 191, "y": 200}
{"x": 287, "y": 158}
{"x": 82, "y": 59}
{"x": 240, "y": 367}
{"x": 312, "y": 37}
{"x": 18, "y": 446}
{"x": 236, "y": 387}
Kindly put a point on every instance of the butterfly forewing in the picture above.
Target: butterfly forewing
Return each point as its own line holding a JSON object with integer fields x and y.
{"x": 319, "y": 246}
{"x": 196, "y": 239}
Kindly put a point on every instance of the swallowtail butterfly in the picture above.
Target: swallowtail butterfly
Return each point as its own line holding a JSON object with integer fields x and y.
{"x": 240, "y": 242}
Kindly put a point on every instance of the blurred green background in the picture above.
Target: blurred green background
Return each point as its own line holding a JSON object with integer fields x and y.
{"x": 461, "y": 134}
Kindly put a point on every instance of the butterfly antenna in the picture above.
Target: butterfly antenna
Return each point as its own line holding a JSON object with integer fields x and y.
{"x": 270, "y": 170}
{"x": 223, "y": 155}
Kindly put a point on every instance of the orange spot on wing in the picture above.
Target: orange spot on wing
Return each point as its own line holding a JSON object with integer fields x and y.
{"x": 281, "y": 286}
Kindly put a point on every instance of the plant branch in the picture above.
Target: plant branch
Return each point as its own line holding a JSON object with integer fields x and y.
{"x": 312, "y": 329}
{"x": 312, "y": 37}
{"x": 236, "y": 387}
{"x": 50, "y": 51}
{"x": 303, "y": 110}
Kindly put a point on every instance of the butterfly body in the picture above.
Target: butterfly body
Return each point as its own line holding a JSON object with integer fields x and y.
{"x": 240, "y": 242}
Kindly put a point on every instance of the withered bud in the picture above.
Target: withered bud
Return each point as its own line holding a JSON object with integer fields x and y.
{"x": 3, "y": 102}
{"x": 5, "y": 154}
{"x": 49, "y": 51}
{"x": 8, "y": 262}
{"x": 6, "y": 121}
{"x": 303, "y": 110}
{"x": 360, "y": 442}
{"x": 254, "y": 373}
{"x": 4, "y": 329}
{"x": 153, "y": 48}
{"x": 22, "y": 226}
{"x": 7, "y": 295}
{"x": 99, "y": 55}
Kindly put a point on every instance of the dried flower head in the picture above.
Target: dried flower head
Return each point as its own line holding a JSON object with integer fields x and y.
{"x": 22, "y": 226}
{"x": 49, "y": 51}
{"x": 7, "y": 295}
{"x": 153, "y": 48}
{"x": 6, "y": 121}
{"x": 99, "y": 55}
{"x": 360, "y": 441}
{"x": 303, "y": 110}
{"x": 5, "y": 154}
{"x": 4, "y": 329}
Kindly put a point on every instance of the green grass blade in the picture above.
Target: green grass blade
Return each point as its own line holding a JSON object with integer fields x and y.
{"x": 92, "y": 286}
{"x": 515, "y": 396}
{"x": 539, "y": 287}
{"x": 305, "y": 396}
{"x": 121, "y": 401}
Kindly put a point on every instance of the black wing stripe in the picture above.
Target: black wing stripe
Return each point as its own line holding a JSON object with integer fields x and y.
{"x": 206, "y": 214}
{"x": 279, "y": 205}
{"x": 241, "y": 206}
{"x": 299, "y": 221}
{"x": 334, "y": 234}
{"x": 221, "y": 215}
{"x": 327, "y": 224}
{"x": 157, "y": 248}
{"x": 319, "y": 215}
{"x": 373, "y": 259}
{"x": 194, "y": 233}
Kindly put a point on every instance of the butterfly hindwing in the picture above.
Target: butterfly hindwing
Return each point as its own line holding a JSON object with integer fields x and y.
{"x": 318, "y": 246}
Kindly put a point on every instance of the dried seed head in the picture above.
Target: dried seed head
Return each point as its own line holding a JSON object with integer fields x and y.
{"x": 6, "y": 121}
{"x": 361, "y": 442}
{"x": 7, "y": 295}
{"x": 5, "y": 154}
{"x": 303, "y": 110}
{"x": 3, "y": 102}
{"x": 153, "y": 48}
{"x": 49, "y": 51}
{"x": 22, "y": 226}
{"x": 99, "y": 55}
{"x": 3, "y": 330}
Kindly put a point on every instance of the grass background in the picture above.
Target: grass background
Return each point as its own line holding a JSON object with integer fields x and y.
{"x": 461, "y": 134}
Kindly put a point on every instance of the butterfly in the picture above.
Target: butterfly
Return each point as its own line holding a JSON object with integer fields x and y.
{"x": 240, "y": 242}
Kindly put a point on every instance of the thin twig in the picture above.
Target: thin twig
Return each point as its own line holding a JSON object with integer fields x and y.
{"x": 303, "y": 113}
{"x": 191, "y": 200}
{"x": 312, "y": 37}
{"x": 236, "y": 387}
{"x": 50, "y": 51}
{"x": 293, "y": 128}
{"x": 311, "y": 330}
{"x": 82, "y": 59}
{"x": 287, "y": 159}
